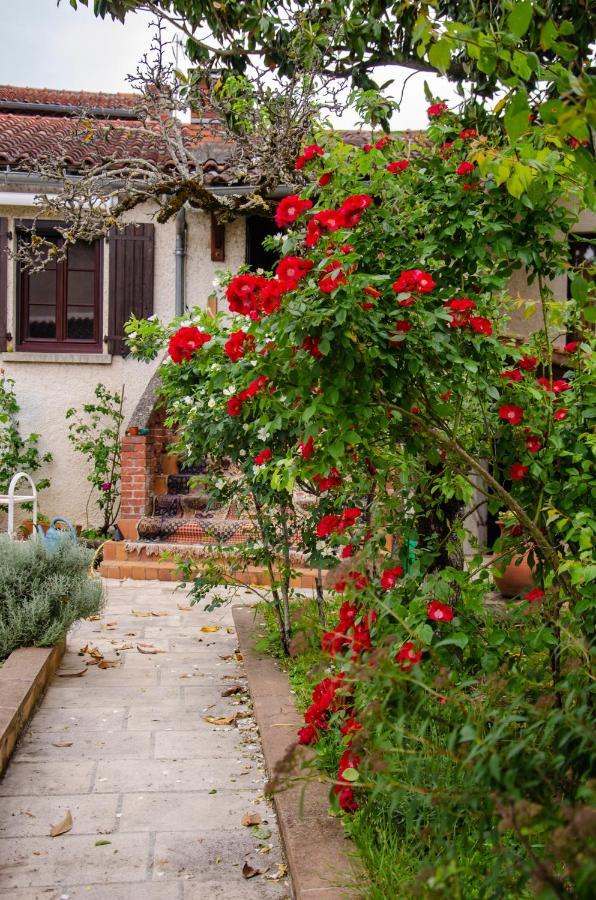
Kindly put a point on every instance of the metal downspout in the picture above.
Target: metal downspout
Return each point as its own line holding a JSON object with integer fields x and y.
{"x": 180, "y": 251}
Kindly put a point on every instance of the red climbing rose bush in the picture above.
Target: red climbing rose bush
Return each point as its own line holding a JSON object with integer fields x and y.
{"x": 376, "y": 369}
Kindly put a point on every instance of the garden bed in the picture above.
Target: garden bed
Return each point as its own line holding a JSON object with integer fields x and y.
{"x": 24, "y": 678}
{"x": 317, "y": 853}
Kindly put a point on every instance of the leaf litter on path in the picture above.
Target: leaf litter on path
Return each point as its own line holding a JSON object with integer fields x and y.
{"x": 63, "y": 826}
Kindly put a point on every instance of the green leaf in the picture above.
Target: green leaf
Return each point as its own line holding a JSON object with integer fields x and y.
{"x": 350, "y": 774}
{"x": 519, "y": 18}
{"x": 517, "y": 115}
{"x": 439, "y": 55}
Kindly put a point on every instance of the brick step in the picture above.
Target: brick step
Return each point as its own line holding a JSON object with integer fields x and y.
{"x": 118, "y": 562}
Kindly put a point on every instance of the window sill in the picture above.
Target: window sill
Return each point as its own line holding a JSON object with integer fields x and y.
{"x": 97, "y": 359}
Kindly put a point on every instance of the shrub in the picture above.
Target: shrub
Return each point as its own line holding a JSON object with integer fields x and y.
{"x": 42, "y": 594}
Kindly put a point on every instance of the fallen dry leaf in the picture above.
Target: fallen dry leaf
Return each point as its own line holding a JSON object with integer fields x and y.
{"x": 72, "y": 673}
{"x": 251, "y": 819}
{"x": 210, "y": 629}
{"x": 230, "y": 629}
{"x": 148, "y": 648}
{"x": 108, "y": 664}
{"x": 63, "y": 826}
{"x": 250, "y": 872}
{"x": 93, "y": 618}
{"x": 234, "y": 689}
{"x": 93, "y": 652}
{"x": 220, "y": 720}
{"x": 183, "y": 608}
{"x": 281, "y": 872}
{"x": 62, "y": 744}
{"x": 124, "y": 646}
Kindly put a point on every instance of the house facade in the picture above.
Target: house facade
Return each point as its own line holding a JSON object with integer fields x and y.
{"x": 61, "y": 329}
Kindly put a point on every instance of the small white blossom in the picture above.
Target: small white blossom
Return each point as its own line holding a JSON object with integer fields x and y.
{"x": 211, "y": 403}
{"x": 229, "y": 391}
{"x": 320, "y": 545}
{"x": 243, "y": 452}
{"x": 263, "y": 433}
{"x": 256, "y": 470}
{"x": 220, "y": 484}
{"x": 152, "y": 318}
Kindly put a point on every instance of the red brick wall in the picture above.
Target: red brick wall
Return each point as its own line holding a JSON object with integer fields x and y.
{"x": 140, "y": 463}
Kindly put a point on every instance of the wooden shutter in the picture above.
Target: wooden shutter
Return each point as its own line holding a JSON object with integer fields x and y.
{"x": 3, "y": 282}
{"x": 131, "y": 280}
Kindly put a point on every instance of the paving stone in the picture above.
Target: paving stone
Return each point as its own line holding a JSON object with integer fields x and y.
{"x": 257, "y": 887}
{"x": 112, "y": 696}
{"x": 139, "y": 890}
{"x": 187, "y": 745}
{"x": 26, "y": 862}
{"x": 102, "y": 719}
{"x": 47, "y": 777}
{"x": 173, "y": 775}
{"x": 86, "y": 745}
{"x": 33, "y": 816}
{"x": 178, "y": 717}
{"x": 193, "y": 811}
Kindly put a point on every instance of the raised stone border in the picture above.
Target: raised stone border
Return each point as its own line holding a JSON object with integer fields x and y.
{"x": 318, "y": 855}
{"x": 23, "y": 681}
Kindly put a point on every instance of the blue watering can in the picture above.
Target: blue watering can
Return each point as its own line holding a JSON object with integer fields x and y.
{"x": 58, "y": 531}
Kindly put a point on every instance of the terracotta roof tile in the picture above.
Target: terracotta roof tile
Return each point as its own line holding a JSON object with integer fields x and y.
{"x": 78, "y": 99}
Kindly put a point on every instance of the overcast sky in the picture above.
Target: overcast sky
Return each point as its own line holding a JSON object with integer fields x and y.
{"x": 45, "y": 45}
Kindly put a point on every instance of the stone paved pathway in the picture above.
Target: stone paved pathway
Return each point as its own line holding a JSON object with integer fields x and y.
{"x": 157, "y": 794}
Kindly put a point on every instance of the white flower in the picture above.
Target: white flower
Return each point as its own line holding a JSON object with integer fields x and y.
{"x": 246, "y": 426}
{"x": 229, "y": 391}
{"x": 186, "y": 324}
{"x": 321, "y": 545}
{"x": 211, "y": 403}
{"x": 152, "y": 318}
{"x": 132, "y": 334}
{"x": 243, "y": 453}
{"x": 256, "y": 470}
{"x": 263, "y": 433}
{"x": 220, "y": 484}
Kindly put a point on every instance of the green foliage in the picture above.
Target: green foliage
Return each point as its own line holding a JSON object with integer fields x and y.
{"x": 96, "y": 433}
{"x": 43, "y": 593}
{"x": 17, "y": 453}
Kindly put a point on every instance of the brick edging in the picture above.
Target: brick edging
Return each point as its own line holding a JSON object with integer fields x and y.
{"x": 319, "y": 859}
{"x": 24, "y": 678}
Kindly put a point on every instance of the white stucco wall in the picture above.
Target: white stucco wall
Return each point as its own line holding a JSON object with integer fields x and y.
{"x": 45, "y": 390}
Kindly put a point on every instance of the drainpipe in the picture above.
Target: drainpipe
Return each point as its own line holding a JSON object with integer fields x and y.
{"x": 180, "y": 251}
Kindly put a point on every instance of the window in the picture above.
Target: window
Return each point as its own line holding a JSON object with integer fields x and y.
{"x": 60, "y": 307}
{"x": 257, "y": 229}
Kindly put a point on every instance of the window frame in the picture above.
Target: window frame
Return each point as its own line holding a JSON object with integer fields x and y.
{"x": 62, "y": 343}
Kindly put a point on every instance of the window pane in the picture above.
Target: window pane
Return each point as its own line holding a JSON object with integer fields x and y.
{"x": 42, "y": 303}
{"x": 80, "y": 305}
{"x": 81, "y": 256}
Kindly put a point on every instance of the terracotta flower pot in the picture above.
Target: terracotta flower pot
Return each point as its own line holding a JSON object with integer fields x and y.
{"x": 169, "y": 464}
{"x": 518, "y": 577}
{"x": 132, "y": 430}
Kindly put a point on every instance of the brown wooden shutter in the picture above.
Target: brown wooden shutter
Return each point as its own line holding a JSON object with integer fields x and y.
{"x": 3, "y": 283}
{"x": 131, "y": 280}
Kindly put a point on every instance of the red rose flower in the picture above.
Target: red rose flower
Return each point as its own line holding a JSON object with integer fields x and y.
{"x": 348, "y": 517}
{"x": 571, "y": 346}
{"x": 408, "y": 657}
{"x": 289, "y": 209}
{"x": 446, "y": 149}
{"x": 446, "y": 396}
{"x": 327, "y": 525}
{"x": 262, "y": 457}
{"x": 307, "y": 154}
{"x": 382, "y": 142}
{"x": 347, "y": 551}
{"x": 534, "y": 595}
{"x": 325, "y": 179}
{"x": 403, "y": 326}
{"x": 399, "y": 166}
{"x": 330, "y": 283}
{"x": 351, "y": 726}
{"x": 560, "y": 414}
{"x": 243, "y": 293}
{"x": 234, "y": 406}
{"x": 306, "y": 448}
{"x": 414, "y": 280}
{"x": 311, "y": 345}
{"x": 346, "y": 248}
{"x": 238, "y": 344}
{"x": 517, "y": 472}
{"x": 293, "y": 268}
{"x": 481, "y": 325}
{"x": 468, "y": 133}
{"x": 436, "y": 109}
{"x": 307, "y": 735}
{"x": 439, "y": 612}
{"x": 533, "y": 443}
{"x": 460, "y": 304}
{"x": 527, "y": 362}
{"x": 511, "y": 413}
{"x": 313, "y": 234}
{"x": 390, "y": 576}
{"x": 464, "y": 168}
{"x": 372, "y": 292}
{"x": 331, "y": 219}
{"x": 512, "y": 375}
{"x": 325, "y": 482}
{"x": 561, "y": 385}
{"x": 359, "y": 580}
{"x": 409, "y": 301}
{"x": 353, "y": 207}
{"x": 186, "y": 341}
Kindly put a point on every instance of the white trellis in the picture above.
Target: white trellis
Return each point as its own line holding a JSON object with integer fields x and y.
{"x": 11, "y": 500}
